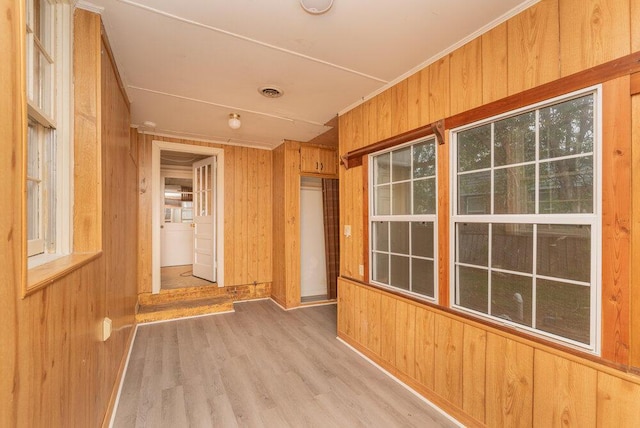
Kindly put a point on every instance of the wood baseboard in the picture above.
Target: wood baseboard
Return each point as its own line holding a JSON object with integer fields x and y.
{"x": 106, "y": 421}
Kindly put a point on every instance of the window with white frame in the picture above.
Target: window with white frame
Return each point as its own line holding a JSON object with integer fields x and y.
{"x": 48, "y": 71}
{"x": 526, "y": 219}
{"x": 402, "y": 223}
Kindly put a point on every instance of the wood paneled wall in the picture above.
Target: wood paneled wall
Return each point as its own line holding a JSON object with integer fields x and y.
{"x": 55, "y": 370}
{"x": 247, "y": 212}
{"x": 481, "y": 375}
{"x": 548, "y": 41}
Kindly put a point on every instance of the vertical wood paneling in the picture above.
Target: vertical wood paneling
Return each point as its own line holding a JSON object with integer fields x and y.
{"x": 494, "y": 64}
{"x": 369, "y": 121}
{"x": 443, "y": 221}
{"x": 241, "y": 236}
{"x": 346, "y": 308}
{"x": 399, "y": 108}
{"x": 438, "y": 90}
{"x": 278, "y": 285}
{"x": 230, "y": 272}
{"x": 414, "y": 96}
{"x": 425, "y": 98}
{"x": 465, "y": 77}
{"x": 384, "y": 103}
{"x": 264, "y": 213}
{"x": 592, "y": 32}
{"x": 533, "y": 38}
{"x": 509, "y": 393}
{"x": 252, "y": 215}
{"x": 292, "y": 223}
{"x": 388, "y": 329}
{"x": 473, "y": 372}
{"x": 12, "y": 164}
{"x": 635, "y": 232}
{"x": 360, "y": 315}
{"x": 372, "y": 340}
{"x": 564, "y": 393}
{"x": 617, "y": 404}
{"x": 54, "y": 369}
{"x": 425, "y": 347}
{"x": 616, "y": 221}
{"x": 635, "y": 29}
{"x": 448, "y": 359}
{"x": 87, "y": 161}
{"x": 405, "y": 338}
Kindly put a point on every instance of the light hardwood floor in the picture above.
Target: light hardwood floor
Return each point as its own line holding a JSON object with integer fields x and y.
{"x": 260, "y": 367}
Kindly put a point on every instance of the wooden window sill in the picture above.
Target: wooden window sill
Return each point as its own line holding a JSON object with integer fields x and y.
{"x": 46, "y": 274}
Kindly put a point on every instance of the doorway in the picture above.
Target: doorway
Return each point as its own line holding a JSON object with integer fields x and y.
{"x": 318, "y": 239}
{"x": 188, "y": 213}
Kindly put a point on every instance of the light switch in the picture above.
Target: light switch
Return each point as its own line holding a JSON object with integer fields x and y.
{"x": 347, "y": 230}
{"x": 361, "y": 270}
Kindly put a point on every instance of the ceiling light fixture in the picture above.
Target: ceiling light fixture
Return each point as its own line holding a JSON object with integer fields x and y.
{"x": 316, "y": 7}
{"x": 234, "y": 121}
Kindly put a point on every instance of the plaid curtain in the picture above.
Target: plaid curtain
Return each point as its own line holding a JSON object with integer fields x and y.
{"x": 330, "y": 203}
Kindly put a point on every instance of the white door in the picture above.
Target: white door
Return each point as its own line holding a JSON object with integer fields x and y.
{"x": 204, "y": 208}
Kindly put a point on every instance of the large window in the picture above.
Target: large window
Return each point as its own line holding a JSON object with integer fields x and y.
{"x": 48, "y": 92}
{"x": 402, "y": 222}
{"x": 526, "y": 219}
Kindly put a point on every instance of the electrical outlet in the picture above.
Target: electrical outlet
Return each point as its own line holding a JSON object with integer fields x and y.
{"x": 106, "y": 328}
{"x": 361, "y": 270}
{"x": 347, "y": 230}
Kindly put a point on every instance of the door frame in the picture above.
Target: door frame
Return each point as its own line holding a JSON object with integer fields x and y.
{"x": 156, "y": 205}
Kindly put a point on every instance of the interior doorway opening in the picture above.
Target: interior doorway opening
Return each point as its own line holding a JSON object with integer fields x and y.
{"x": 187, "y": 216}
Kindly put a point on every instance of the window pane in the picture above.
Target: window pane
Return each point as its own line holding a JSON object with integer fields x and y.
{"x": 474, "y": 148}
{"x": 512, "y": 247}
{"x": 422, "y": 277}
{"x": 515, "y": 140}
{"x": 473, "y": 286}
{"x": 474, "y": 193}
{"x": 424, "y": 196}
{"x": 383, "y": 200}
{"x": 564, "y": 251}
{"x": 400, "y": 272}
{"x": 401, "y": 198}
{"x": 514, "y": 190}
{"x": 381, "y": 171}
{"x": 399, "y": 237}
{"x": 567, "y": 128}
{"x": 422, "y": 239}
{"x": 42, "y": 23}
{"x": 511, "y": 297}
{"x": 33, "y": 210}
{"x": 381, "y": 268}
{"x": 424, "y": 159}
{"x": 401, "y": 164}
{"x": 33, "y": 150}
{"x": 473, "y": 243}
{"x": 381, "y": 236}
{"x": 563, "y": 309}
{"x": 566, "y": 186}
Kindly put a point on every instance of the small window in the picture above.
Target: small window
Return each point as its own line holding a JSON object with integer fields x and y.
{"x": 48, "y": 183}
{"x": 402, "y": 222}
{"x": 526, "y": 222}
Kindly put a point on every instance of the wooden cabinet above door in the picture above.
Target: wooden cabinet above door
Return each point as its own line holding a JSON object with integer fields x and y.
{"x": 318, "y": 160}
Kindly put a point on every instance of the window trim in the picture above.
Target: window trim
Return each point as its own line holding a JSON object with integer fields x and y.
{"x": 594, "y": 219}
{"x": 61, "y": 88}
{"x": 409, "y": 218}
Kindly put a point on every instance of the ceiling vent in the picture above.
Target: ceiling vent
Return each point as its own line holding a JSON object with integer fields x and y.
{"x": 271, "y": 91}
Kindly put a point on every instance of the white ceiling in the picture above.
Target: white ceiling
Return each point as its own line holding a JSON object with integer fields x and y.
{"x": 187, "y": 64}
